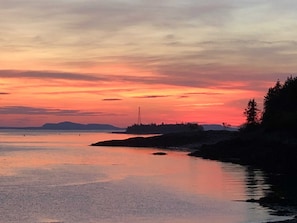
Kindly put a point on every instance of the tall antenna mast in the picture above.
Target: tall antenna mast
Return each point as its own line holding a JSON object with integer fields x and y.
{"x": 139, "y": 117}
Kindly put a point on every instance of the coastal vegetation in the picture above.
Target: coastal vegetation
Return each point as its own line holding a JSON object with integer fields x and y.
{"x": 280, "y": 107}
{"x": 162, "y": 128}
{"x": 269, "y": 141}
{"x": 252, "y": 115}
{"x": 279, "y": 111}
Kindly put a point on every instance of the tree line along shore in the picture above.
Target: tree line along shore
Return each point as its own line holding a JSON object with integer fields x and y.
{"x": 267, "y": 139}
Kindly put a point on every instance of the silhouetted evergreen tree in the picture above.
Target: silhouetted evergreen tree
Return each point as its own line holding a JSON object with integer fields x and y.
{"x": 271, "y": 104}
{"x": 252, "y": 114}
{"x": 280, "y": 106}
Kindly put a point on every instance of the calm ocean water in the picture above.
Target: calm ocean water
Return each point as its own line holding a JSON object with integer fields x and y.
{"x": 54, "y": 176}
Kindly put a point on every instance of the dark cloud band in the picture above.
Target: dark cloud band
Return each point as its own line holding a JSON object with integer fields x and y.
{"x": 23, "y": 110}
{"x": 47, "y": 75}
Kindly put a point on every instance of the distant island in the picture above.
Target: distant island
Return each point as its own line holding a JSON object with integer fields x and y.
{"x": 70, "y": 126}
{"x": 174, "y": 128}
{"x": 162, "y": 128}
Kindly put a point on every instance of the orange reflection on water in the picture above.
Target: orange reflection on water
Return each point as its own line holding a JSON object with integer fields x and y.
{"x": 176, "y": 170}
{"x": 49, "y": 160}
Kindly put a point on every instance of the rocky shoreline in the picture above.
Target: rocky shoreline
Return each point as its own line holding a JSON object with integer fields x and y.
{"x": 272, "y": 156}
{"x": 276, "y": 157}
{"x": 182, "y": 140}
{"x": 294, "y": 220}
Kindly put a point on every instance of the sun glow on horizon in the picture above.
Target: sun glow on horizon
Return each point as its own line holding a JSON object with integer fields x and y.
{"x": 99, "y": 61}
{"x": 105, "y": 99}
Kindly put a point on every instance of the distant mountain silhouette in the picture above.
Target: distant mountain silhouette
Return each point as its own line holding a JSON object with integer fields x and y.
{"x": 69, "y": 126}
{"x": 77, "y": 126}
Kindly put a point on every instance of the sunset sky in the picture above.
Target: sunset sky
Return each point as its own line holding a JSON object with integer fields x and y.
{"x": 97, "y": 61}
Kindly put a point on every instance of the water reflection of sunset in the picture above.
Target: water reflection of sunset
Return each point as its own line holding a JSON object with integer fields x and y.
{"x": 52, "y": 150}
{"x": 62, "y": 162}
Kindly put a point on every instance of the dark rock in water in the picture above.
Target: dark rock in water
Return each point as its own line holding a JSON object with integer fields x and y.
{"x": 159, "y": 153}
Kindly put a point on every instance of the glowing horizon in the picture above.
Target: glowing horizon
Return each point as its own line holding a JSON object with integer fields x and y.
{"x": 98, "y": 61}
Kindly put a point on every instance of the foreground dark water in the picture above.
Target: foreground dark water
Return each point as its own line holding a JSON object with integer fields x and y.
{"x": 57, "y": 177}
